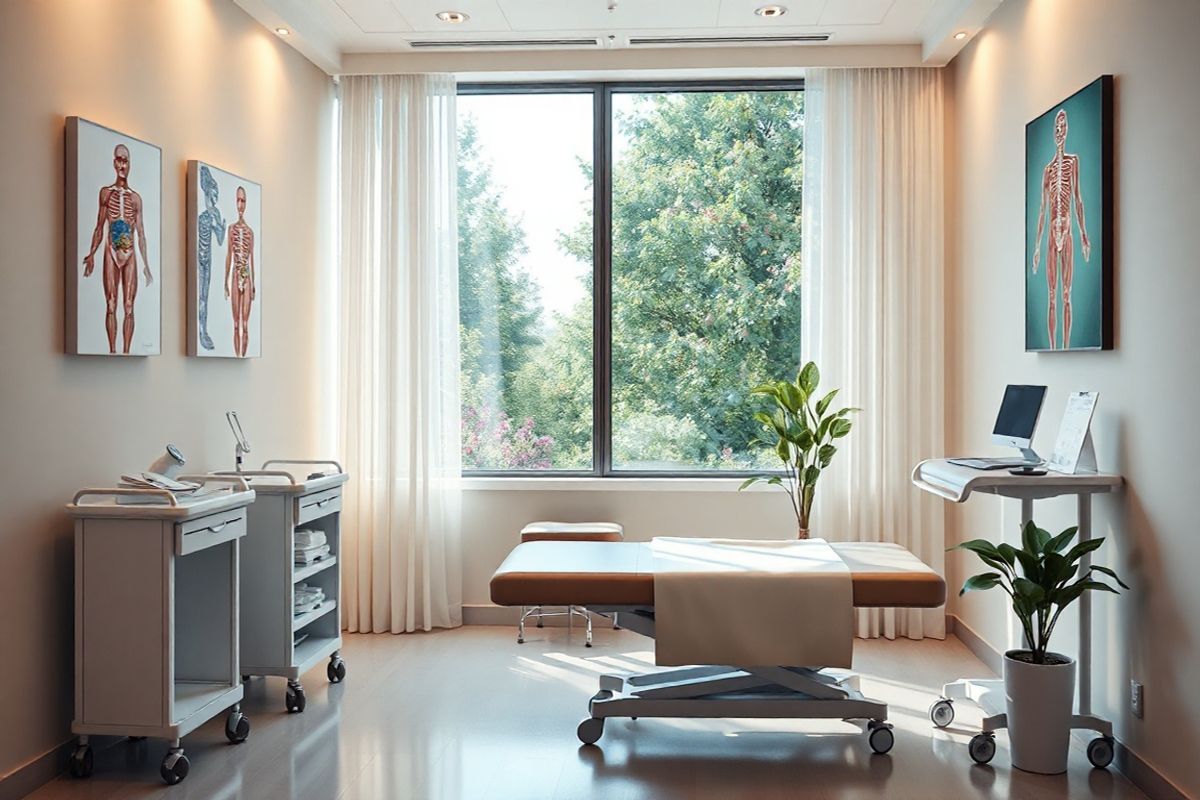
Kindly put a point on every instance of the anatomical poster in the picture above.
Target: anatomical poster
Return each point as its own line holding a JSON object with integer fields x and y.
{"x": 1068, "y": 223}
{"x": 224, "y": 263}
{"x": 113, "y": 242}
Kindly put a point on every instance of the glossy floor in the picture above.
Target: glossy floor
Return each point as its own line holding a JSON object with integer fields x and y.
{"x": 471, "y": 714}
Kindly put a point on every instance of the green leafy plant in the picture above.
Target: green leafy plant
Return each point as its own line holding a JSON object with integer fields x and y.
{"x": 801, "y": 432}
{"x": 1039, "y": 577}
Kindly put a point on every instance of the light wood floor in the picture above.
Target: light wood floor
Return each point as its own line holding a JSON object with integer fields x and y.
{"x": 471, "y": 714}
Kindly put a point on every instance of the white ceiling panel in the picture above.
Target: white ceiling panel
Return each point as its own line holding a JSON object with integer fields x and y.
{"x": 374, "y": 16}
{"x": 483, "y": 16}
{"x": 331, "y": 29}
{"x": 855, "y": 12}
{"x": 740, "y": 14}
{"x": 594, "y": 15}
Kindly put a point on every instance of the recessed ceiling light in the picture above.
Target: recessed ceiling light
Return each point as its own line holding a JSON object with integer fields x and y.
{"x": 453, "y": 17}
{"x": 771, "y": 11}
{"x": 283, "y": 31}
{"x": 960, "y": 35}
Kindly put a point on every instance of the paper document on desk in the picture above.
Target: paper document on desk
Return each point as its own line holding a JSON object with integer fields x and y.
{"x": 745, "y": 603}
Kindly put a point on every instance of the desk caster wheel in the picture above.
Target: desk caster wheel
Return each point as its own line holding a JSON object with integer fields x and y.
{"x": 174, "y": 768}
{"x": 1100, "y": 752}
{"x": 336, "y": 670}
{"x": 941, "y": 713}
{"x": 81, "y": 763}
{"x": 590, "y": 730}
{"x": 237, "y": 727}
{"x": 881, "y": 737}
{"x": 294, "y": 700}
{"x": 982, "y": 748}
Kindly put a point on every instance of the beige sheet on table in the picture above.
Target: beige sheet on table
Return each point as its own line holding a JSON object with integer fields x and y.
{"x": 746, "y": 603}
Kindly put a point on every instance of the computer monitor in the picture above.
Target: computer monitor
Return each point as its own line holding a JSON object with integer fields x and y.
{"x": 1018, "y": 417}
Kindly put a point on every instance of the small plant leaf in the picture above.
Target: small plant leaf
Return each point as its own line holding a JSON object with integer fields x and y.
{"x": 986, "y": 580}
{"x": 809, "y": 377}
{"x": 823, "y": 403}
{"x": 1111, "y": 574}
{"x": 1083, "y": 548}
{"x": 1060, "y": 542}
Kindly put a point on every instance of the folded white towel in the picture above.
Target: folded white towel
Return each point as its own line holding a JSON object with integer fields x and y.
{"x": 309, "y": 555}
{"x": 306, "y": 537}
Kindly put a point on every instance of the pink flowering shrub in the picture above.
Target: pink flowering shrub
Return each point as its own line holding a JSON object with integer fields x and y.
{"x": 491, "y": 442}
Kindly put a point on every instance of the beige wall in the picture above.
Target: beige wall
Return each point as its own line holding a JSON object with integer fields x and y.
{"x": 202, "y": 80}
{"x": 1033, "y": 54}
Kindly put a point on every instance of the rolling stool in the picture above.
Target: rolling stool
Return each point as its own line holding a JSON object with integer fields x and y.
{"x": 567, "y": 532}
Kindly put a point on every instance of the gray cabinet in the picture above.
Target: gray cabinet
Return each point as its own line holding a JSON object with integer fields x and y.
{"x": 156, "y": 617}
{"x": 274, "y": 640}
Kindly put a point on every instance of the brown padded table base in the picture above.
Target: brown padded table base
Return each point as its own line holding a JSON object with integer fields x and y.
{"x": 622, "y": 574}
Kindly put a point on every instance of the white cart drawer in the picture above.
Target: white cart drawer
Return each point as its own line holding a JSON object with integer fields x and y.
{"x": 318, "y": 504}
{"x": 197, "y": 534}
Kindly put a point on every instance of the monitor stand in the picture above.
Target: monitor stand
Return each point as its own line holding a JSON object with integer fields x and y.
{"x": 1030, "y": 456}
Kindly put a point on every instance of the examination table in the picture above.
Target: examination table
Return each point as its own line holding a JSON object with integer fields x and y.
{"x": 611, "y": 577}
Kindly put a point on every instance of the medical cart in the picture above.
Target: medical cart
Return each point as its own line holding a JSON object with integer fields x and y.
{"x": 156, "y": 616}
{"x": 956, "y": 483}
{"x": 275, "y": 641}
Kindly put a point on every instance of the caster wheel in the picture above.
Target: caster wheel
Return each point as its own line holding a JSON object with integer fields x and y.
{"x": 540, "y": 624}
{"x": 587, "y": 644}
{"x": 590, "y": 730}
{"x": 1100, "y": 752}
{"x": 336, "y": 671}
{"x": 520, "y": 640}
{"x": 982, "y": 748}
{"x": 80, "y": 765}
{"x": 174, "y": 768}
{"x": 294, "y": 700}
{"x": 237, "y": 727}
{"x": 941, "y": 713}
{"x": 881, "y": 738}
{"x": 245, "y": 679}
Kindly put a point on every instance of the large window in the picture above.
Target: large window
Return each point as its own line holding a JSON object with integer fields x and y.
{"x": 630, "y": 268}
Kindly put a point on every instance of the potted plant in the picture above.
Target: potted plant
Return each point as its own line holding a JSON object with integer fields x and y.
{"x": 1041, "y": 577}
{"x": 801, "y": 431}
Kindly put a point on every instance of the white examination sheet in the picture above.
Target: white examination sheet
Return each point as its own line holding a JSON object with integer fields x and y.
{"x": 743, "y": 603}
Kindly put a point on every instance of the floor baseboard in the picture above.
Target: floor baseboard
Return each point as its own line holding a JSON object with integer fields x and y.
{"x": 41, "y": 770}
{"x": 976, "y": 644}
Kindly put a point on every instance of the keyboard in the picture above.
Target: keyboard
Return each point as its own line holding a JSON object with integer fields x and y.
{"x": 992, "y": 463}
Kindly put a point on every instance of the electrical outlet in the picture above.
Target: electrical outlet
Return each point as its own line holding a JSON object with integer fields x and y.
{"x": 1136, "y": 698}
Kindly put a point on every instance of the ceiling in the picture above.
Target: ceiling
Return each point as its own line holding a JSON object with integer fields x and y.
{"x": 327, "y": 31}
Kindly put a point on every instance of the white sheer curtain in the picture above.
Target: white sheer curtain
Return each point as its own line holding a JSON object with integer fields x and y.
{"x": 399, "y": 354}
{"x": 874, "y": 306}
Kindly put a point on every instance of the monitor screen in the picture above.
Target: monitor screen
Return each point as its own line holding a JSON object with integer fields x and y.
{"x": 1019, "y": 411}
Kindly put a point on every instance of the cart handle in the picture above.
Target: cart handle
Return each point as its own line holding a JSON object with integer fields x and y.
{"x": 240, "y": 483}
{"x": 163, "y": 493}
{"x": 259, "y": 473}
{"x": 317, "y": 462}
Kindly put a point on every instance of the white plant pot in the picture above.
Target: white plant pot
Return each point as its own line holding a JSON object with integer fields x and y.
{"x": 1041, "y": 698}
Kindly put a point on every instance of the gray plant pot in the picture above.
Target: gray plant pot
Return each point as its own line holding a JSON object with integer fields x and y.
{"x": 1041, "y": 699}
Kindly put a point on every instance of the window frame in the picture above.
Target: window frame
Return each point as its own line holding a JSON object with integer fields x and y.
{"x": 602, "y": 94}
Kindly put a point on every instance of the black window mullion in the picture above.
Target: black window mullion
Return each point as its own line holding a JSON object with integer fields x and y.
{"x": 602, "y": 285}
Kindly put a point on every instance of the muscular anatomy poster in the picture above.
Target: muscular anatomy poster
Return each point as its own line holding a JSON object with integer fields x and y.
{"x": 1068, "y": 223}
{"x": 224, "y": 263}
{"x": 113, "y": 242}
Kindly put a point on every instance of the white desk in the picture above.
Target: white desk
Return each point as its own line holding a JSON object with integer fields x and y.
{"x": 956, "y": 483}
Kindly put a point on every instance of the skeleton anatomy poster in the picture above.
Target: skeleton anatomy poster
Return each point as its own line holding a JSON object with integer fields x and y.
{"x": 1068, "y": 223}
{"x": 224, "y": 263}
{"x": 113, "y": 242}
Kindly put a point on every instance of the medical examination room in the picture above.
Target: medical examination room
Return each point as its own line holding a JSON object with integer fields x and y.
{"x": 376, "y": 372}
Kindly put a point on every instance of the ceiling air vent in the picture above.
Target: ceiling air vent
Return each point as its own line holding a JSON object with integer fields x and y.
{"x": 491, "y": 44}
{"x": 708, "y": 41}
